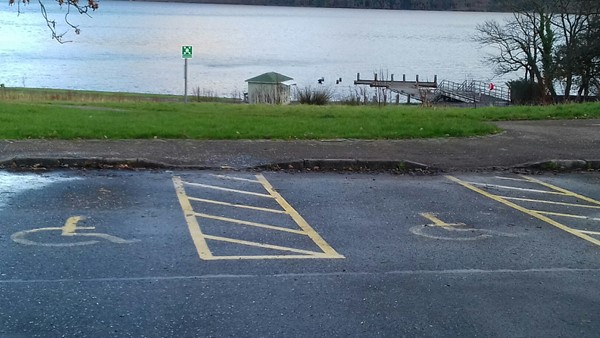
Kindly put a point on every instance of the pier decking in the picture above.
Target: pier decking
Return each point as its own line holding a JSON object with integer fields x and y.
{"x": 475, "y": 92}
{"x": 407, "y": 88}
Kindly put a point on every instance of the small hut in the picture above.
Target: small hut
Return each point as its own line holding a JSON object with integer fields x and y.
{"x": 270, "y": 88}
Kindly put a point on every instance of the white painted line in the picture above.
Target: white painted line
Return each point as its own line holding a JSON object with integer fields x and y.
{"x": 565, "y": 191}
{"x": 233, "y": 178}
{"x": 512, "y": 179}
{"x": 565, "y": 215}
{"x": 299, "y": 275}
{"x": 265, "y": 246}
{"x": 244, "y": 192}
{"x": 254, "y": 224}
{"x": 485, "y": 185}
{"x": 589, "y": 232}
{"x": 243, "y": 206}
{"x": 551, "y": 202}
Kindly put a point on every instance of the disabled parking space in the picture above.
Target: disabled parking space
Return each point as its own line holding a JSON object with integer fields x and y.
{"x": 121, "y": 224}
{"x": 200, "y": 253}
{"x": 432, "y": 223}
{"x": 567, "y": 210}
{"x": 74, "y": 225}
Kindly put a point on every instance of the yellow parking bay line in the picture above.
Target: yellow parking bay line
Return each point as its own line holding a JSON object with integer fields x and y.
{"x": 191, "y": 220}
{"x": 328, "y": 250}
{"x": 561, "y": 190}
{"x": 527, "y": 211}
{"x": 261, "y": 245}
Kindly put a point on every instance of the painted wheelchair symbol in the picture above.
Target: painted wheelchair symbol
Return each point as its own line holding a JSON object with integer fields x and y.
{"x": 69, "y": 230}
{"x": 459, "y": 231}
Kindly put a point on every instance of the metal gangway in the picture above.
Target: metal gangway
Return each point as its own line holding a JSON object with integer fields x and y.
{"x": 472, "y": 92}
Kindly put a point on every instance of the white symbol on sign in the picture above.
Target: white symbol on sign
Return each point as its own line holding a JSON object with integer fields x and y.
{"x": 469, "y": 234}
{"x": 69, "y": 230}
{"x": 186, "y": 52}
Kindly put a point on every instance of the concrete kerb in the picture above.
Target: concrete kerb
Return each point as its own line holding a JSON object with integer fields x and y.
{"x": 26, "y": 163}
{"x": 561, "y": 165}
{"x": 351, "y": 165}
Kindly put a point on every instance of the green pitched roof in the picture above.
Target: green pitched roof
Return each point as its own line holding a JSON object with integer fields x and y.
{"x": 271, "y": 77}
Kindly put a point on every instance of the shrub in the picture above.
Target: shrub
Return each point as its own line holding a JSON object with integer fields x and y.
{"x": 319, "y": 96}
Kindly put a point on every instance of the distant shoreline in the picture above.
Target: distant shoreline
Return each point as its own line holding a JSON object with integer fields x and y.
{"x": 464, "y": 6}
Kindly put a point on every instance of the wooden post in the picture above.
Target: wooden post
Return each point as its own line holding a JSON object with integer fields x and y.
{"x": 408, "y": 100}
{"x": 375, "y": 76}
{"x": 357, "y": 76}
{"x": 435, "y": 79}
{"x": 403, "y": 77}
{"x": 417, "y": 78}
{"x": 392, "y": 77}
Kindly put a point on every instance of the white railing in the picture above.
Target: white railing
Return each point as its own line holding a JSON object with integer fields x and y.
{"x": 472, "y": 91}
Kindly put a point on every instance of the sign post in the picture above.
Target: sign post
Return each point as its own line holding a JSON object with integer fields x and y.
{"x": 186, "y": 53}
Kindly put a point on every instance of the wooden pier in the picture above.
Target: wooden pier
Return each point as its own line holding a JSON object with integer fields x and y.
{"x": 406, "y": 88}
{"x": 475, "y": 92}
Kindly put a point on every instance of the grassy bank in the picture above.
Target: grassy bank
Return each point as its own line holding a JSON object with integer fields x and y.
{"x": 138, "y": 116}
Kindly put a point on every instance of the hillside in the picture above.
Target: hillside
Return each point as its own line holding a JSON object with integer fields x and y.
{"x": 438, "y": 5}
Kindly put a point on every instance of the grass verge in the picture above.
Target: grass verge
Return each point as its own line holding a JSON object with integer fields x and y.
{"x": 137, "y": 116}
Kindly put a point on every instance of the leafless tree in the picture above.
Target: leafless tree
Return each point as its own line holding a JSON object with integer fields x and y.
{"x": 524, "y": 43}
{"x": 578, "y": 53}
{"x": 71, "y": 5}
{"x": 552, "y": 41}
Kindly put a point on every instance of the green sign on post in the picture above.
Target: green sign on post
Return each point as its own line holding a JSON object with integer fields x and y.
{"x": 186, "y": 52}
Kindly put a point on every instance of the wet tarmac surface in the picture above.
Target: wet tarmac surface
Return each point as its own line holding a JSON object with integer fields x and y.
{"x": 235, "y": 253}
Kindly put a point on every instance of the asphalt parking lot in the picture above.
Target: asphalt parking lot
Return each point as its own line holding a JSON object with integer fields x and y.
{"x": 236, "y": 253}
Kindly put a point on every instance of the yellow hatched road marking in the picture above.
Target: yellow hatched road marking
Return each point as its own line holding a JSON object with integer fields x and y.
{"x": 200, "y": 238}
{"x": 525, "y": 210}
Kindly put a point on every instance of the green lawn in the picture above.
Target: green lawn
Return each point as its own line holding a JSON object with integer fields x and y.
{"x": 130, "y": 116}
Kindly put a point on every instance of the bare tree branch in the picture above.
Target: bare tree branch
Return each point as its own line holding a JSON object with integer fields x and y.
{"x": 51, "y": 23}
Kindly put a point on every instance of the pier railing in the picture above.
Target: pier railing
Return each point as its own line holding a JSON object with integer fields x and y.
{"x": 498, "y": 92}
{"x": 473, "y": 91}
{"x": 457, "y": 91}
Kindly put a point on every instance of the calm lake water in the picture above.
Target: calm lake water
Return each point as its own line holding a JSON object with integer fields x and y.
{"x": 133, "y": 46}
